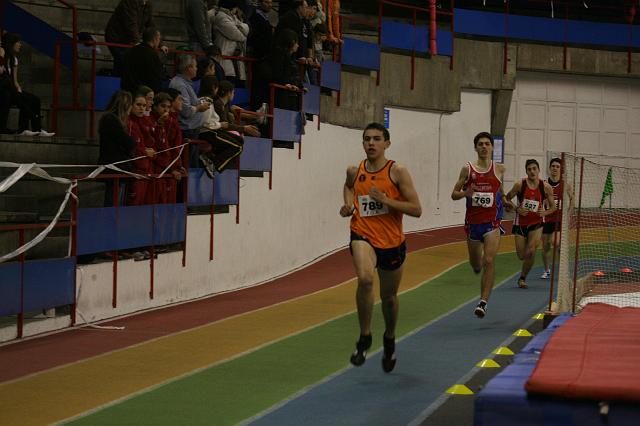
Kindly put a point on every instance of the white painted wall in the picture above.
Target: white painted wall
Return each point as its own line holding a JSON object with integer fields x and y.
{"x": 595, "y": 116}
{"x": 298, "y": 221}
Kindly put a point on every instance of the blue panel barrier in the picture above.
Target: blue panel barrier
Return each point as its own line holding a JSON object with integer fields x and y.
{"x": 286, "y": 125}
{"x": 543, "y": 29}
{"x": 105, "y": 88}
{"x": 200, "y": 188}
{"x": 134, "y": 228}
{"x": 362, "y": 54}
{"x": 256, "y": 154}
{"x": 49, "y": 283}
{"x": 444, "y": 42}
{"x": 9, "y": 288}
{"x": 403, "y": 36}
{"x": 311, "y": 99}
{"x": 241, "y": 97}
{"x": 169, "y": 220}
{"x": 330, "y": 77}
{"x": 95, "y": 232}
{"x": 399, "y": 35}
{"x": 35, "y": 31}
{"x": 226, "y": 187}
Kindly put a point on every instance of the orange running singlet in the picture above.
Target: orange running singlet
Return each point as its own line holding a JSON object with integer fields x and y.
{"x": 380, "y": 225}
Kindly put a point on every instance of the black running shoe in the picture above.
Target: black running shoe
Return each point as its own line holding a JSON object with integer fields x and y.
{"x": 389, "y": 354}
{"x": 481, "y": 309}
{"x": 522, "y": 283}
{"x": 362, "y": 346}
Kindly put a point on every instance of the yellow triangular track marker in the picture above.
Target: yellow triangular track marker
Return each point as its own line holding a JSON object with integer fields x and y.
{"x": 503, "y": 350}
{"x": 522, "y": 333}
{"x": 538, "y": 316}
{"x": 488, "y": 363}
{"x": 459, "y": 390}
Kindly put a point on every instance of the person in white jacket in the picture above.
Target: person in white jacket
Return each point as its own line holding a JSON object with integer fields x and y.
{"x": 230, "y": 34}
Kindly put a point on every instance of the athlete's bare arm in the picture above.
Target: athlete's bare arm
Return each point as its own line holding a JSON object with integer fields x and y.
{"x": 457, "y": 192}
{"x": 548, "y": 192}
{"x": 516, "y": 188}
{"x": 411, "y": 203}
{"x": 348, "y": 192}
{"x": 500, "y": 170}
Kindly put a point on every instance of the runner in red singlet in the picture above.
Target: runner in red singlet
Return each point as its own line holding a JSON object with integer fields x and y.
{"x": 480, "y": 183}
{"x": 527, "y": 226}
{"x": 376, "y": 194}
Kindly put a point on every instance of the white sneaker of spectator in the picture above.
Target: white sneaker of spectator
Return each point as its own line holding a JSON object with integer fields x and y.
{"x": 29, "y": 133}
{"x": 264, "y": 108}
{"x": 44, "y": 133}
{"x": 546, "y": 274}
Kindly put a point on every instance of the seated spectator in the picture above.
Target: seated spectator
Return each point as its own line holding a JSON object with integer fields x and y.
{"x": 141, "y": 131}
{"x": 148, "y": 94}
{"x": 225, "y": 145}
{"x": 224, "y": 109}
{"x": 261, "y": 31}
{"x": 125, "y": 26}
{"x": 116, "y": 143}
{"x": 142, "y": 65}
{"x": 198, "y": 26}
{"x": 28, "y": 103}
{"x": 230, "y": 37}
{"x": 167, "y": 161}
{"x": 316, "y": 13}
{"x": 191, "y": 116}
{"x": 320, "y": 36}
{"x": 207, "y": 65}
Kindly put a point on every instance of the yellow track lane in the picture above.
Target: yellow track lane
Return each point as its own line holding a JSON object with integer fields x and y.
{"x": 72, "y": 389}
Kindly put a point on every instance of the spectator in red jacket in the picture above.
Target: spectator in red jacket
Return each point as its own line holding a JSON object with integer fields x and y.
{"x": 167, "y": 135}
{"x": 141, "y": 130}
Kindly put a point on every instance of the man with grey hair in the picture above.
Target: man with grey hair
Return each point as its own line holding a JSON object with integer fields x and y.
{"x": 191, "y": 117}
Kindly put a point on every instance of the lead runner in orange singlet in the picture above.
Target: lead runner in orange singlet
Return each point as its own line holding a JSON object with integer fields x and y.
{"x": 376, "y": 194}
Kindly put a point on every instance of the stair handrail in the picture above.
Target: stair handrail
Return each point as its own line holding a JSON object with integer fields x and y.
{"x": 74, "y": 54}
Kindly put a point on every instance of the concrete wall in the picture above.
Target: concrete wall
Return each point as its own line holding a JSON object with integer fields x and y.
{"x": 298, "y": 220}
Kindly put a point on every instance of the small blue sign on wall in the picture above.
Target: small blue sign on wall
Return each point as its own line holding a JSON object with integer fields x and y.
{"x": 386, "y": 118}
{"x": 498, "y": 149}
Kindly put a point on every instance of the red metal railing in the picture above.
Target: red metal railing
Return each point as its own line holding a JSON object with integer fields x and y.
{"x": 21, "y": 228}
{"x": 74, "y": 45}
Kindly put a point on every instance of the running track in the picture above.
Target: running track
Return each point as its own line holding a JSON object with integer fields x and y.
{"x": 85, "y": 362}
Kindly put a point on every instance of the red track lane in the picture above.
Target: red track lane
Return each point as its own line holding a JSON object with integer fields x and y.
{"x": 34, "y": 355}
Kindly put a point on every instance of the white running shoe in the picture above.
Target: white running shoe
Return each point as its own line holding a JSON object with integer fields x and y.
{"x": 45, "y": 134}
{"x": 29, "y": 133}
{"x": 546, "y": 275}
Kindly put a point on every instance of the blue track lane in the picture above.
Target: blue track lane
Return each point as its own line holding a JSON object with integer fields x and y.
{"x": 430, "y": 360}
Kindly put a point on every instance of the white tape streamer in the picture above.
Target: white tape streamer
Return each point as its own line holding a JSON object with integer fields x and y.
{"x": 38, "y": 170}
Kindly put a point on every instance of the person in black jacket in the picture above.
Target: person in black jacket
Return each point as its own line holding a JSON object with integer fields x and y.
{"x": 115, "y": 143}
{"x": 284, "y": 70}
{"x": 142, "y": 65}
{"x": 125, "y": 26}
{"x": 261, "y": 33}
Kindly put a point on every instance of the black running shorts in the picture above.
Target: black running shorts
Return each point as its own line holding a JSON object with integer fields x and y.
{"x": 386, "y": 259}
